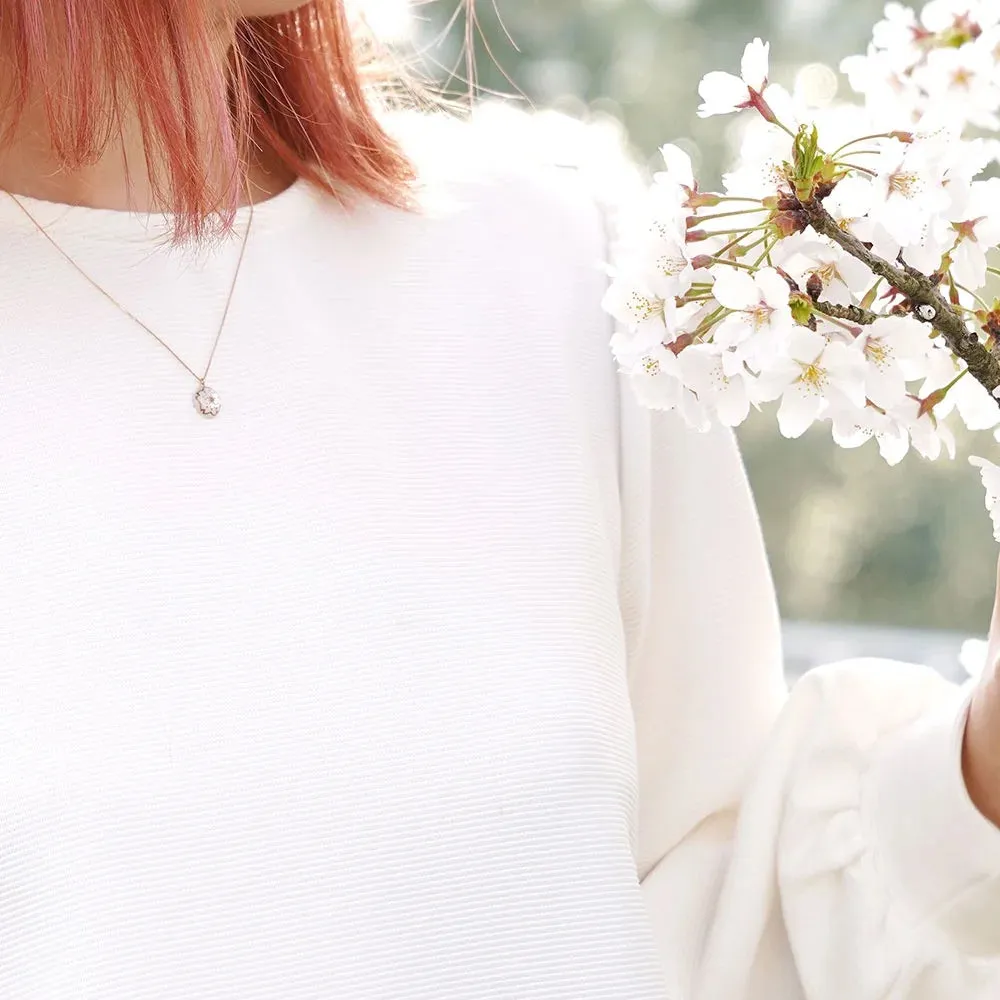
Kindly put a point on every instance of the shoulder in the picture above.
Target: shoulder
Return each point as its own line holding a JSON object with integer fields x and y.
{"x": 525, "y": 185}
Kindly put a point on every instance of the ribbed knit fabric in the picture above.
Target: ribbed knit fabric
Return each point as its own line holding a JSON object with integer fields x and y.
{"x": 432, "y": 668}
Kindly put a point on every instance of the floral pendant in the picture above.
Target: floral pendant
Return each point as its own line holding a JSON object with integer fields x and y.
{"x": 207, "y": 402}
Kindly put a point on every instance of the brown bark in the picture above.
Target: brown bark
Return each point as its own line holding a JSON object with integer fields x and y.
{"x": 922, "y": 292}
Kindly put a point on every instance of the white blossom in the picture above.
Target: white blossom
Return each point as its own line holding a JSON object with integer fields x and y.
{"x": 850, "y": 204}
{"x": 853, "y": 427}
{"x": 892, "y": 99}
{"x": 631, "y": 348}
{"x": 898, "y": 34}
{"x": 928, "y": 432}
{"x": 907, "y": 190}
{"x": 678, "y": 177}
{"x": 940, "y": 15}
{"x": 978, "y": 410}
{"x": 896, "y": 350}
{"x": 812, "y": 372}
{"x": 894, "y": 430}
{"x": 719, "y": 379}
{"x": 963, "y": 82}
{"x": 991, "y": 482}
{"x": 755, "y": 178}
{"x": 760, "y": 317}
{"x": 939, "y": 62}
{"x": 711, "y": 338}
{"x": 844, "y": 278}
{"x": 657, "y": 381}
{"x": 976, "y": 231}
{"x": 723, "y": 93}
{"x": 764, "y": 149}
{"x": 631, "y": 300}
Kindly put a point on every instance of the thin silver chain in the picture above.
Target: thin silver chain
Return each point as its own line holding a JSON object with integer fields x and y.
{"x": 132, "y": 316}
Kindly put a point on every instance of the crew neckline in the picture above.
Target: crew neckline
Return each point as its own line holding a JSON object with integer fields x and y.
{"x": 130, "y": 225}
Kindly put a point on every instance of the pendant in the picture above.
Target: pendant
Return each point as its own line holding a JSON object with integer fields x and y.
{"x": 207, "y": 401}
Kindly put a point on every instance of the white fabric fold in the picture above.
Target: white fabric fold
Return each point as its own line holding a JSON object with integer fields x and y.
{"x": 940, "y": 855}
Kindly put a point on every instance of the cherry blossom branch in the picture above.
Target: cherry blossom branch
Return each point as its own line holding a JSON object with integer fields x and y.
{"x": 852, "y": 314}
{"x": 927, "y": 302}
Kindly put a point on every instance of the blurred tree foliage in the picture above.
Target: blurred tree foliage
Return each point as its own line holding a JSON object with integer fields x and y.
{"x": 849, "y": 538}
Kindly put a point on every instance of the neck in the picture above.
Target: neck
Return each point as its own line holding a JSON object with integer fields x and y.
{"x": 120, "y": 178}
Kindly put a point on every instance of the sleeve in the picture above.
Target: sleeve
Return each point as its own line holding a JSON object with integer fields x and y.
{"x": 819, "y": 844}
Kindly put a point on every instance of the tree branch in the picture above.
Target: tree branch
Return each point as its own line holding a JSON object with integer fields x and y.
{"x": 853, "y": 314}
{"x": 921, "y": 291}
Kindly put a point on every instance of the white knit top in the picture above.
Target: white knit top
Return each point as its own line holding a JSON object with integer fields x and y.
{"x": 432, "y": 668}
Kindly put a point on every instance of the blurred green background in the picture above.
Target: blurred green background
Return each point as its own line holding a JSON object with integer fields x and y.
{"x": 851, "y": 541}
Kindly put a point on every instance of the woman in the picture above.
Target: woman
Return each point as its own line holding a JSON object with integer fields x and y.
{"x": 413, "y": 660}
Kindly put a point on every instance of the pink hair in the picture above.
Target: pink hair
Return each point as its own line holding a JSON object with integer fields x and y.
{"x": 293, "y": 82}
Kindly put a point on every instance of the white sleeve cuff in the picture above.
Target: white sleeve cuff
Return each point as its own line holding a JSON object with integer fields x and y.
{"x": 940, "y": 855}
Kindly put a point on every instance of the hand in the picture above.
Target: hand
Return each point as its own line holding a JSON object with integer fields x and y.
{"x": 981, "y": 752}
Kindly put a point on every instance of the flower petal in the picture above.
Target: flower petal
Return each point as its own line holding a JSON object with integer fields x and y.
{"x": 885, "y": 385}
{"x": 701, "y": 366}
{"x": 798, "y": 411}
{"x": 732, "y": 331}
{"x": 893, "y": 444}
{"x": 754, "y": 66}
{"x": 722, "y": 94}
{"x": 990, "y": 474}
{"x": 733, "y": 403}
{"x": 806, "y": 345}
{"x": 773, "y": 287}
{"x": 852, "y": 198}
{"x": 736, "y": 289}
{"x": 977, "y": 408}
{"x": 678, "y": 164}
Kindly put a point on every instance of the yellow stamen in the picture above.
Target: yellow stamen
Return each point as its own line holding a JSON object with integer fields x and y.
{"x": 644, "y": 308}
{"x": 760, "y": 316}
{"x": 906, "y": 184}
{"x": 813, "y": 377}
{"x": 671, "y": 266}
{"x": 878, "y": 353}
{"x": 829, "y": 273}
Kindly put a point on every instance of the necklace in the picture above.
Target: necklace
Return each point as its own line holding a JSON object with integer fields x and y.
{"x": 206, "y": 400}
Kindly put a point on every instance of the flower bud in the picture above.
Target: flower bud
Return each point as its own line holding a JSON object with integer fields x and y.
{"x": 965, "y": 30}
{"x": 757, "y": 101}
{"x": 786, "y": 224}
{"x": 928, "y": 403}
{"x": 802, "y": 308}
{"x": 702, "y": 261}
{"x": 991, "y": 321}
{"x": 814, "y": 286}
{"x": 824, "y": 189}
{"x": 869, "y": 300}
{"x": 678, "y": 345}
{"x": 696, "y": 236}
{"x": 966, "y": 230}
{"x": 698, "y": 199}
